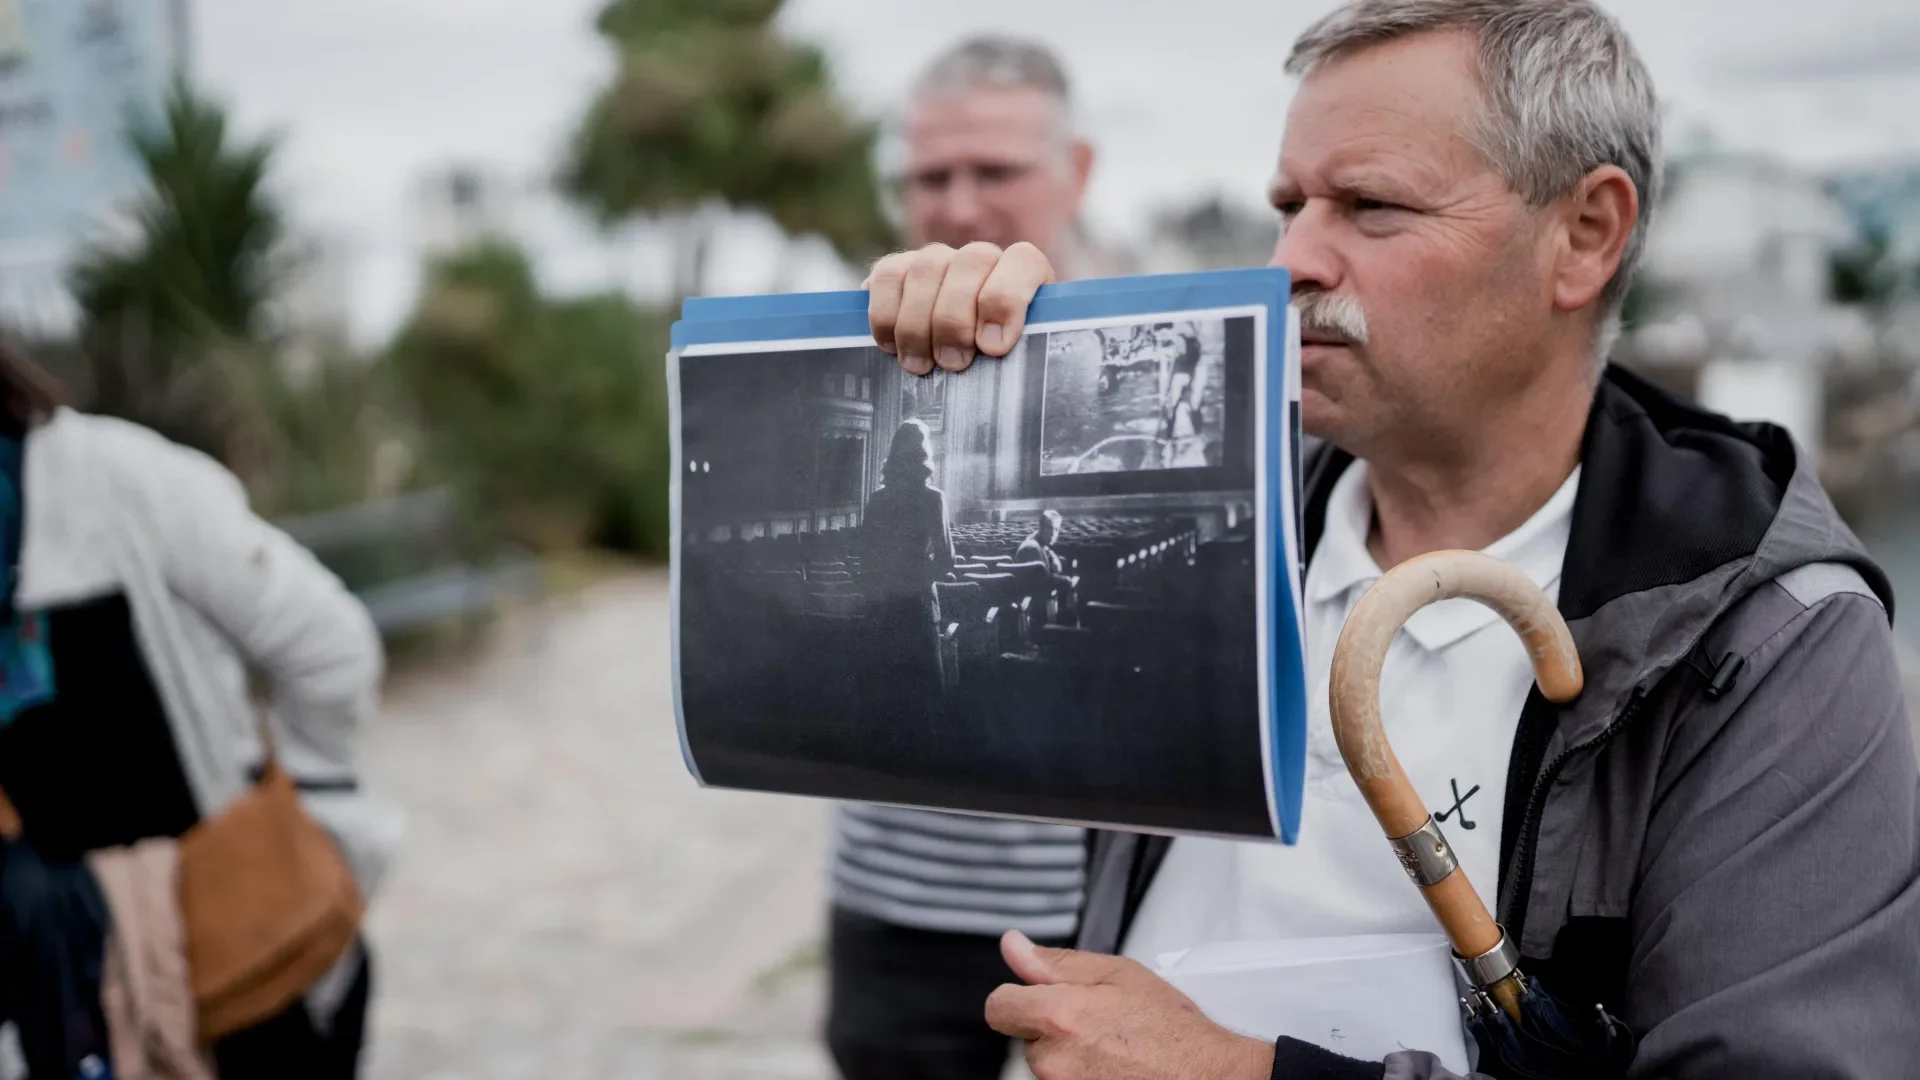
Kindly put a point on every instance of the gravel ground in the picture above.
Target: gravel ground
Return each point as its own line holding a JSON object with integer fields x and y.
{"x": 569, "y": 902}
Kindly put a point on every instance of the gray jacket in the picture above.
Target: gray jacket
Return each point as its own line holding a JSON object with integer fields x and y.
{"x": 1719, "y": 840}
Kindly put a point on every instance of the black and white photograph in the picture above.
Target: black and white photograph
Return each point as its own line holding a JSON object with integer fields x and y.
{"x": 1027, "y": 589}
{"x": 1126, "y": 399}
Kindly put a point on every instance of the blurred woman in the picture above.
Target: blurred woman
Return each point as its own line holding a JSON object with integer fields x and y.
{"x": 143, "y": 593}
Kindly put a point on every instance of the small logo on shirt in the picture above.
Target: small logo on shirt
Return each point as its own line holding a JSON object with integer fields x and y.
{"x": 1459, "y": 806}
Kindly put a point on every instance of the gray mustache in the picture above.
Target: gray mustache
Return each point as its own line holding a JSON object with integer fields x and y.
{"x": 1336, "y": 315}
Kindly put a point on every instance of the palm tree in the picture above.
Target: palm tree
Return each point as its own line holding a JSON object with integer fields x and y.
{"x": 710, "y": 104}
{"x": 167, "y": 315}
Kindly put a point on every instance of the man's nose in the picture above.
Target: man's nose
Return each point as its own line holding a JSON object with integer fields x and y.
{"x": 960, "y": 203}
{"x": 1306, "y": 249}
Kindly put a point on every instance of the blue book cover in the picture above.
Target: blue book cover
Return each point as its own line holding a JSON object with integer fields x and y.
{"x": 1062, "y": 586}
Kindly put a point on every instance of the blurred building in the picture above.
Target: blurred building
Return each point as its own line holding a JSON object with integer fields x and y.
{"x": 460, "y": 205}
{"x": 1739, "y": 268}
{"x": 1740, "y": 304}
{"x": 35, "y": 302}
{"x": 1740, "y": 233}
{"x": 1886, "y": 198}
{"x": 314, "y": 307}
{"x": 71, "y": 73}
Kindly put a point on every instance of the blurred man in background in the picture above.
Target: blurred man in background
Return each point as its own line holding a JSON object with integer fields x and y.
{"x": 920, "y": 898}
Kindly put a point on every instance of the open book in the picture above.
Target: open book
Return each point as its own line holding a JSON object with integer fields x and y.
{"x": 1061, "y": 586}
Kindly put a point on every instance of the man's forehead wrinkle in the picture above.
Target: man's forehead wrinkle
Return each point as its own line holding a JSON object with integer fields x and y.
{"x": 990, "y": 111}
{"x": 1374, "y": 145}
{"x": 1380, "y": 165}
{"x": 969, "y": 133}
{"x": 957, "y": 125}
{"x": 1432, "y": 104}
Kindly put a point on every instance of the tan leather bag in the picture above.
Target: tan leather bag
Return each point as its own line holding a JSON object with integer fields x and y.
{"x": 9, "y": 819}
{"x": 269, "y": 904}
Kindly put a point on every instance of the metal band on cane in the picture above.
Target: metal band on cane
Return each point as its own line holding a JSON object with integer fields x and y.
{"x": 1425, "y": 854}
{"x": 1493, "y": 965}
{"x": 1354, "y": 697}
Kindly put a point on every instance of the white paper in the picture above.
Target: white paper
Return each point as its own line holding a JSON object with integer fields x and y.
{"x": 1365, "y": 997}
{"x": 1289, "y": 483}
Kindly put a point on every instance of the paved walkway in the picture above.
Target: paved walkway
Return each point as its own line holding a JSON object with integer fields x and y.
{"x": 569, "y": 902}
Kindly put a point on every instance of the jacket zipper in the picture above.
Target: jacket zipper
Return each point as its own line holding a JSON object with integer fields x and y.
{"x": 1516, "y": 918}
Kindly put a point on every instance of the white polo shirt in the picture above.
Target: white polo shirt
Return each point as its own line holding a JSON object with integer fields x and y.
{"x": 1451, "y": 695}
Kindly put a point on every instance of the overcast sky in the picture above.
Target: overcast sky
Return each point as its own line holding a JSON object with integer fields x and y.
{"x": 1183, "y": 98}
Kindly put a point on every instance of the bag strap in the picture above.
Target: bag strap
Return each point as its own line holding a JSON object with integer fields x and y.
{"x": 269, "y": 755}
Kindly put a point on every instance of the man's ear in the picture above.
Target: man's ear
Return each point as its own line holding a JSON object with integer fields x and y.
{"x": 1081, "y": 154}
{"x": 1597, "y": 220}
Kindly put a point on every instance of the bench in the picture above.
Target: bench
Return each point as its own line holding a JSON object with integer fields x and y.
{"x": 408, "y": 560}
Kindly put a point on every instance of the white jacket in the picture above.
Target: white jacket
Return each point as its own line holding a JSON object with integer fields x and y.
{"x": 214, "y": 590}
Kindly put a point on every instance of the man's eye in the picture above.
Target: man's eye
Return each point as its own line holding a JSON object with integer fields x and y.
{"x": 1373, "y": 204}
{"x": 1289, "y": 207}
{"x": 932, "y": 180}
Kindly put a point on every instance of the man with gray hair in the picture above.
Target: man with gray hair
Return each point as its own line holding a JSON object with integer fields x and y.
{"x": 1717, "y": 842}
{"x": 920, "y": 898}
{"x": 992, "y": 154}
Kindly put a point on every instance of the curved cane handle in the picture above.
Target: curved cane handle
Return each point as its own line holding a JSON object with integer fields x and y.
{"x": 1355, "y": 702}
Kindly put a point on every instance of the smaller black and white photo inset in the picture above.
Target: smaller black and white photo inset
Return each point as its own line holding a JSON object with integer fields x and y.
{"x": 1134, "y": 398}
{"x": 1028, "y": 588}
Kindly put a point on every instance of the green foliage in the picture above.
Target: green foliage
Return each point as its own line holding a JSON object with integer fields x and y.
{"x": 1865, "y": 273}
{"x": 335, "y": 437}
{"x": 624, "y": 20}
{"x": 549, "y": 414}
{"x": 169, "y": 319}
{"x": 204, "y": 262}
{"x": 172, "y": 333}
{"x": 709, "y": 102}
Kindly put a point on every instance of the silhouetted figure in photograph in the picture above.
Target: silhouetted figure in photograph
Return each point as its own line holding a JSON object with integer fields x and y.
{"x": 905, "y": 548}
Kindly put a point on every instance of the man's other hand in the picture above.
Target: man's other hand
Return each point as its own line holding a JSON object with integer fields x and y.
{"x": 941, "y": 306}
{"x": 1086, "y": 1016}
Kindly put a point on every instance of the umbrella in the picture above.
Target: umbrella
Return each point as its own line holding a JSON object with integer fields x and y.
{"x": 1522, "y": 1030}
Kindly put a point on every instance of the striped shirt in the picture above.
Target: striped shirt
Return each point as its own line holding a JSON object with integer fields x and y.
{"x": 958, "y": 873}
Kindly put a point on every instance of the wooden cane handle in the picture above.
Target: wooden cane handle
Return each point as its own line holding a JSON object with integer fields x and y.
{"x": 1355, "y": 698}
